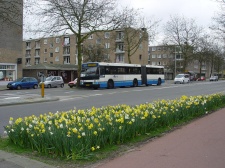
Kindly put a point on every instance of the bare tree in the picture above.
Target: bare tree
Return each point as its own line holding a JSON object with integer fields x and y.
{"x": 202, "y": 51}
{"x": 94, "y": 53}
{"x": 136, "y": 30}
{"x": 77, "y": 17}
{"x": 219, "y": 19}
{"x": 11, "y": 12}
{"x": 182, "y": 33}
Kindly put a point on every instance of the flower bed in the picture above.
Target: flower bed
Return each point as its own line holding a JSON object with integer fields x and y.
{"x": 77, "y": 133}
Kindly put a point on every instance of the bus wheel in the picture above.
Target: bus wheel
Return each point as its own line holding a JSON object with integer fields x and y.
{"x": 135, "y": 83}
{"x": 159, "y": 82}
{"x": 110, "y": 84}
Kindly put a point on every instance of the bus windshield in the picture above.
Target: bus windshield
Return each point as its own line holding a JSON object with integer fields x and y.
{"x": 89, "y": 71}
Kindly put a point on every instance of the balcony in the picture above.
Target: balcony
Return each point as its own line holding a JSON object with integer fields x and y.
{"x": 119, "y": 40}
{"x": 66, "y": 54}
{"x": 27, "y": 55}
{"x": 118, "y": 51}
{"x": 28, "y": 48}
{"x": 36, "y": 56}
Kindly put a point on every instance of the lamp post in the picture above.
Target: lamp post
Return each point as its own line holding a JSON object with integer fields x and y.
{"x": 175, "y": 63}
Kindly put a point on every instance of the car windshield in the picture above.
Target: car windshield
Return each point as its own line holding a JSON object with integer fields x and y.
{"x": 179, "y": 76}
{"x": 19, "y": 80}
{"x": 49, "y": 78}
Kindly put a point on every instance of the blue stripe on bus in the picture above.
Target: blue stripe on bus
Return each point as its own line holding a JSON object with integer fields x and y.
{"x": 119, "y": 83}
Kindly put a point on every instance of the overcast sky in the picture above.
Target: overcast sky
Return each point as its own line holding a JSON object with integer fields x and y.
{"x": 201, "y": 11}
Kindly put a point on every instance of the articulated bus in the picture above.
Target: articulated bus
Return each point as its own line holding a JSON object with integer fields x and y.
{"x": 109, "y": 75}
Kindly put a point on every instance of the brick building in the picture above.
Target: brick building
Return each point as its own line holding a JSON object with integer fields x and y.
{"x": 58, "y": 54}
{"x": 11, "y": 35}
{"x": 165, "y": 56}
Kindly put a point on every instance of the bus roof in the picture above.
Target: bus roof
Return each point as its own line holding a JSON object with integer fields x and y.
{"x": 120, "y": 64}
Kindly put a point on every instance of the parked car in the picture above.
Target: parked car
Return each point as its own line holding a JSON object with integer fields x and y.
{"x": 24, "y": 82}
{"x": 202, "y": 78}
{"x": 213, "y": 78}
{"x": 72, "y": 83}
{"x": 53, "y": 81}
{"x": 182, "y": 78}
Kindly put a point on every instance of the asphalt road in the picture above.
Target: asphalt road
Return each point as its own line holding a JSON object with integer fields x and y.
{"x": 86, "y": 98}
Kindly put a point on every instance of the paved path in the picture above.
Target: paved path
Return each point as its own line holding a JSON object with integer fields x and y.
{"x": 200, "y": 144}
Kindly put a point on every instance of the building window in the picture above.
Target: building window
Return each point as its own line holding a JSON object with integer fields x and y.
{"x": 57, "y": 40}
{"x": 153, "y": 56}
{"x": 45, "y": 59}
{"x": 90, "y": 37}
{"x": 107, "y": 34}
{"x": 159, "y": 56}
{"x": 28, "y": 45}
{"x": 57, "y": 49}
{"x": 37, "y": 44}
{"x": 98, "y": 41}
{"x": 51, "y": 45}
{"x": 27, "y": 61}
{"x": 66, "y": 41}
{"x": 45, "y": 51}
{"x": 66, "y": 60}
{"x": 119, "y": 58}
{"x": 107, "y": 45}
{"x": 51, "y": 54}
{"x": 153, "y": 63}
{"x": 120, "y": 36}
{"x": 159, "y": 48}
{"x": 164, "y": 55}
{"x": 45, "y": 41}
{"x": 66, "y": 50}
{"x": 171, "y": 56}
{"x": 37, "y": 53}
{"x": 153, "y": 48}
{"x": 57, "y": 58}
{"x": 140, "y": 57}
{"x": 51, "y": 62}
{"x": 37, "y": 61}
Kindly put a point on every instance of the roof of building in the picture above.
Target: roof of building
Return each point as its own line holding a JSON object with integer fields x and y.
{"x": 53, "y": 66}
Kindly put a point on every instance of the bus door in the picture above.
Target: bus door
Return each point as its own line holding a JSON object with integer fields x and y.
{"x": 143, "y": 75}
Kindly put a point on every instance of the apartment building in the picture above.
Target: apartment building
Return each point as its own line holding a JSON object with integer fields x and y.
{"x": 11, "y": 35}
{"x": 171, "y": 58}
{"x": 57, "y": 55}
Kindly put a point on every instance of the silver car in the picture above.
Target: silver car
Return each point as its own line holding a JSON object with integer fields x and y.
{"x": 182, "y": 78}
{"x": 53, "y": 81}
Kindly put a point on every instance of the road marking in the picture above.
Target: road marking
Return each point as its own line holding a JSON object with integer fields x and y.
{"x": 12, "y": 98}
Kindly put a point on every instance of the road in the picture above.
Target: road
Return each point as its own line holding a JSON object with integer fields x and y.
{"x": 86, "y": 98}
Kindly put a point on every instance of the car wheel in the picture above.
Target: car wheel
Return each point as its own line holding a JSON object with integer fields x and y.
{"x": 62, "y": 85}
{"x": 70, "y": 86}
{"x": 35, "y": 86}
{"x": 49, "y": 86}
{"x": 18, "y": 87}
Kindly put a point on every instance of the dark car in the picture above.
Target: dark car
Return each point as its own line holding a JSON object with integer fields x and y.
{"x": 72, "y": 83}
{"x": 24, "y": 82}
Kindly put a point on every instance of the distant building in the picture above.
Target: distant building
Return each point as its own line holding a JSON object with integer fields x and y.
{"x": 171, "y": 59}
{"x": 58, "y": 55}
{"x": 11, "y": 36}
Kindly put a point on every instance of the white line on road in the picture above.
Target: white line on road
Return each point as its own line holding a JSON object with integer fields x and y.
{"x": 12, "y": 98}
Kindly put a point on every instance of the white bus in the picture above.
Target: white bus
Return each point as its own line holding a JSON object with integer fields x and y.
{"x": 110, "y": 75}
